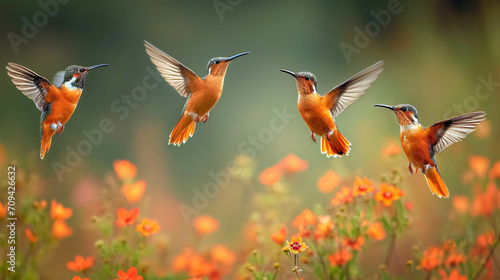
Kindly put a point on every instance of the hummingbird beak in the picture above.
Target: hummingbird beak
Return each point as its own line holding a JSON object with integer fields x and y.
{"x": 289, "y": 72}
{"x": 237, "y": 55}
{"x": 96, "y": 66}
{"x": 385, "y": 106}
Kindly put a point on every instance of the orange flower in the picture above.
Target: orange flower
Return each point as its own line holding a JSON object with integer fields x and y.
{"x": 391, "y": 149}
{"x": 221, "y": 254}
{"x": 454, "y": 259}
{"x": 199, "y": 266}
{"x": 126, "y": 218}
{"x": 31, "y": 236}
{"x": 483, "y": 243}
{"x": 388, "y": 194}
{"x": 449, "y": 245}
{"x": 134, "y": 191}
{"x": 280, "y": 236}
{"x": 362, "y": 186}
{"x": 148, "y": 227}
{"x": 3, "y": 210}
{"x": 484, "y": 203}
{"x": 432, "y": 258}
{"x": 328, "y": 181}
{"x": 307, "y": 217}
{"x": 181, "y": 262}
{"x": 61, "y": 230}
{"x": 40, "y": 205}
{"x": 296, "y": 246}
{"x": 271, "y": 175}
{"x": 131, "y": 274}
{"x": 343, "y": 196}
{"x": 460, "y": 203}
{"x": 293, "y": 163}
{"x": 205, "y": 224}
{"x": 454, "y": 275}
{"x": 124, "y": 169}
{"x": 355, "y": 244}
{"x": 376, "y": 231}
{"x": 59, "y": 212}
{"x": 340, "y": 258}
{"x": 495, "y": 170}
{"x": 80, "y": 264}
{"x": 324, "y": 227}
{"x": 479, "y": 165}
{"x": 79, "y": 278}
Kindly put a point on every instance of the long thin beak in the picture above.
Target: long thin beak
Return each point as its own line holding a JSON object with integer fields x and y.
{"x": 384, "y": 106}
{"x": 96, "y": 66}
{"x": 237, "y": 55}
{"x": 289, "y": 72}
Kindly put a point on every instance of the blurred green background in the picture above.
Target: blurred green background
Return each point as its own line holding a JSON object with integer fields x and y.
{"x": 434, "y": 51}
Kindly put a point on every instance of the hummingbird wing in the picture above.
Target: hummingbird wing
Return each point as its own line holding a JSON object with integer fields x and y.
{"x": 29, "y": 83}
{"x": 349, "y": 91}
{"x": 444, "y": 133}
{"x": 58, "y": 79}
{"x": 176, "y": 74}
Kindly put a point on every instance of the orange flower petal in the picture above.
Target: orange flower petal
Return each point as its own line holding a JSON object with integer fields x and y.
{"x": 124, "y": 169}
{"x": 133, "y": 192}
{"x": 293, "y": 163}
{"x": 271, "y": 175}
{"x": 328, "y": 182}
{"x": 205, "y": 224}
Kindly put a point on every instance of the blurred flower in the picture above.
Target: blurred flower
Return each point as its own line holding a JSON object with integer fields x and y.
{"x": 328, "y": 181}
{"x": 293, "y": 163}
{"x": 133, "y": 192}
{"x": 449, "y": 245}
{"x": 59, "y": 212}
{"x": 354, "y": 244}
{"x": 340, "y": 258}
{"x": 61, "y": 230}
{"x": 362, "y": 186}
{"x": 3, "y": 210}
{"x": 432, "y": 258}
{"x": 376, "y": 231}
{"x": 483, "y": 129}
{"x": 388, "y": 194}
{"x": 80, "y": 263}
{"x": 181, "y": 262}
{"x": 126, "y": 218}
{"x": 205, "y": 224}
{"x": 79, "y": 278}
{"x": 271, "y": 175}
{"x": 495, "y": 171}
{"x": 280, "y": 236}
{"x": 454, "y": 275}
{"x": 124, "y": 169}
{"x": 40, "y": 205}
{"x": 484, "y": 203}
{"x": 408, "y": 205}
{"x": 221, "y": 254}
{"x": 305, "y": 218}
{"x": 199, "y": 267}
{"x": 391, "y": 149}
{"x": 343, "y": 196}
{"x": 454, "y": 259}
{"x": 483, "y": 243}
{"x": 148, "y": 227}
{"x": 324, "y": 227}
{"x": 479, "y": 165}
{"x": 460, "y": 203}
{"x": 131, "y": 274}
{"x": 30, "y": 236}
{"x": 296, "y": 246}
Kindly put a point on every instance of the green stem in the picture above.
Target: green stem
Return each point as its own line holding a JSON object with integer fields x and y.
{"x": 490, "y": 254}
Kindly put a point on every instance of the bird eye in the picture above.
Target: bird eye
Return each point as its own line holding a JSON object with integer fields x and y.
{"x": 307, "y": 78}
{"x": 217, "y": 61}
{"x": 404, "y": 109}
{"x": 81, "y": 70}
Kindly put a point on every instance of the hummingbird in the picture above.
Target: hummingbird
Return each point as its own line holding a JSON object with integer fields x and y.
{"x": 202, "y": 93}
{"x": 56, "y": 101}
{"x": 319, "y": 112}
{"x": 421, "y": 144}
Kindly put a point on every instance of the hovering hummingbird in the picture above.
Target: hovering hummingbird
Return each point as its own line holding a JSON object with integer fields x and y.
{"x": 57, "y": 101}
{"x": 319, "y": 112}
{"x": 421, "y": 144}
{"x": 202, "y": 93}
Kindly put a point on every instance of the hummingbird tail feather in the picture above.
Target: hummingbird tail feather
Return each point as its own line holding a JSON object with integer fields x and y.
{"x": 182, "y": 130}
{"x": 336, "y": 147}
{"x": 47, "y": 134}
{"x": 436, "y": 183}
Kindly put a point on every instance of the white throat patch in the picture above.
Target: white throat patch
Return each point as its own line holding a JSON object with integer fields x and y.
{"x": 71, "y": 84}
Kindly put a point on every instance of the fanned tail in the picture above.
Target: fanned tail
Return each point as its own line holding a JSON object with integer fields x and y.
{"x": 47, "y": 133}
{"x": 182, "y": 130}
{"x": 336, "y": 147}
{"x": 436, "y": 183}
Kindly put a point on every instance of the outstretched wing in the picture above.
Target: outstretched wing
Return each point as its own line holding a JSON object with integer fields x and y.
{"x": 29, "y": 83}
{"x": 349, "y": 91}
{"x": 447, "y": 132}
{"x": 176, "y": 74}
